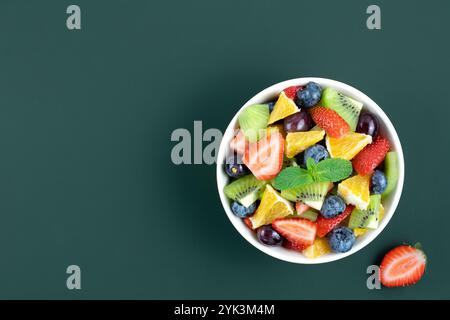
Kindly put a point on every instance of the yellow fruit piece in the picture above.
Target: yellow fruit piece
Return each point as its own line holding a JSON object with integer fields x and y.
{"x": 359, "y": 231}
{"x": 297, "y": 142}
{"x": 355, "y": 190}
{"x": 277, "y": 127}
{"x": 347, "y": 146}
{"x": 272, "y": 207}
{"x": 283, "y": 108}
{"x": 319, "y": 248}
{"x": 380, "y": 213}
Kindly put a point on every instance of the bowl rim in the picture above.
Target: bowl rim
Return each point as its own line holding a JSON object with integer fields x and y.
{"x": 290, "y": 255}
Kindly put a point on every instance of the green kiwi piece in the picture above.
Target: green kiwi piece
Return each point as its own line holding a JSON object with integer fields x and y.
{"x": 309, "y": 214}
{"x": 391, "y": 171}
{"x": 346, "y": 107}
{"x": 253, "y": 121}
{"x": 311, "y": 194}
{"x": 366, "y": 218}
{"x": 245, "y": 190}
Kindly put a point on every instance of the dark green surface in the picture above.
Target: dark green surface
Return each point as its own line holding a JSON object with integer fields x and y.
{"x": 85, "y": 124}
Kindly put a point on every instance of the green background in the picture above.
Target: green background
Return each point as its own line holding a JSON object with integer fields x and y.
{"x": 85, "y": 124}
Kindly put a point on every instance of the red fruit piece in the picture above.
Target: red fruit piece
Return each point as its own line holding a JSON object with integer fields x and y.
{"x": 325, "y": 225}
{"x": 371, "y": 156}
{"x": 402, "y": 266}
{"x": 238, "y": 143}
{"x": 300, "y": 232}
{"x": 300, "y": 207}
{"x": 290, "y": 92}
{"x": 248, "y": 223}
{"x": 264, "y": 158}
{"x": 330, "y": 121}
{"x": 291, "y": 246}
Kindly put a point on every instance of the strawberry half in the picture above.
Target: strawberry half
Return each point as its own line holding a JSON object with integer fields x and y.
{"x": 300, "y": 207}
{"x": 330, "y": 121}
{"x": 264, "y": 158}
{"x": 402, "y": 266}
{"x": 291, "y": 92}
{"x": 248, "y": 223}
{"x": 300, "y": 232}
{"x": 325, "y": 225}
{"x": 292, "y": 246}
{"x": 371, "y": 156}
{"x": 238, "y": 143}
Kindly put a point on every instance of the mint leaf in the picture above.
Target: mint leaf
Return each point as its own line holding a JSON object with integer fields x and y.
{"x": 332, "y": 170}
{"x": 310, "y": 163}
{"x": 292, "y": 177}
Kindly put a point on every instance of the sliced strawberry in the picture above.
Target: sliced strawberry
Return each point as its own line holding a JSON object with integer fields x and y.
{"x": 238, "y": 143}
{"x": 248, "y": 223}
{"x": 291, "y": 92}
{"x": 371, "y": 156}
{"x": 402, "y": 266}
{"x": 264, "y": 158}
{"x": 325, "y": 225}
{"x": 300, "y": 207}
{"x": 330, "y": 121}
{"x": 292, "y": 246}
{"x": 300, "y": 232}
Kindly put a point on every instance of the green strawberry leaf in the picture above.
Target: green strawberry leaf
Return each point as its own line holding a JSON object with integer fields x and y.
{"x": 332, "y": 170}
{"x": 292, "y": 177}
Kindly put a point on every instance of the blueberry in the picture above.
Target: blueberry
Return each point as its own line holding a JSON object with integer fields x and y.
{"x": 317, "y": 152}
{"x": 235, "y": 168}
{"x": 241, "y": 211}
{"x": 309, "y": 96}
{"x": 379, "y": 182}
{"x": 269, "y": 236}
{"x": 332, "y": 206}
{"x": 341, "y": 239}
{"x": 271, "y": 104}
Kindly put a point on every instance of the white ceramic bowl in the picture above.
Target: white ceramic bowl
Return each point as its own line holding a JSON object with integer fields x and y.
{"x": 390, "y": 203}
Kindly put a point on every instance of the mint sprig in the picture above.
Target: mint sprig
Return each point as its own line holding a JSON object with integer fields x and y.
{"x": 292, "y": 177}
{"x": 328, "y": 170}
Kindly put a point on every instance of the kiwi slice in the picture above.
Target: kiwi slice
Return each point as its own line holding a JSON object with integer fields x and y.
{"x": 391, "y": 171}
{"x": 309, "y": 214}
{"x": 311, "y": 194}
{"x": 346, "y": 107}
{"x": 253, "y": 120}
{"x": 245, "y": 190}
{"x": 366, "y": 218}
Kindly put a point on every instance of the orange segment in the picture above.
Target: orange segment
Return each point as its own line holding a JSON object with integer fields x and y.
{"x": 272, "y": 207}
{"x": 347, "y": 146}
{"x": 355, "y": 190}
{"x": 319, "y": 248}
{"x": 297, "y": 142}
{"x": 283, "y": 108}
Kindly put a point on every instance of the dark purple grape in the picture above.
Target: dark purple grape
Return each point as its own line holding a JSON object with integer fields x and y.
{"x": 368, "y": 124}
{"x": 235, "y": 168}
{"x": 269, "y": 236}
{"x": 300, "y": 121}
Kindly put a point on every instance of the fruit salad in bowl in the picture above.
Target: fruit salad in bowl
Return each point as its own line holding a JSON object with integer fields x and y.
{"x": 310, "y": 170}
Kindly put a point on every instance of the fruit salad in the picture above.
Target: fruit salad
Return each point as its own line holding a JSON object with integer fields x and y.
{"x": 309, "y": 170}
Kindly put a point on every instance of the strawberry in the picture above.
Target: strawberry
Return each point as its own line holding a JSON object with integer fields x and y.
{"x": 300, "y": 207}
{"x": 264, "y": 158}
{"x": 292, "y": 246}
{"x": 300, "y": 232}
{"x": 291, "y": 92}
{"x": 330, "y": 121}
{"x": 248, "y": 223}
{"x": 325, "y": 225}
{"x": 371, "y": 156}
{"x": 402, "y": 266}
{"x": 238, "y": 143}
